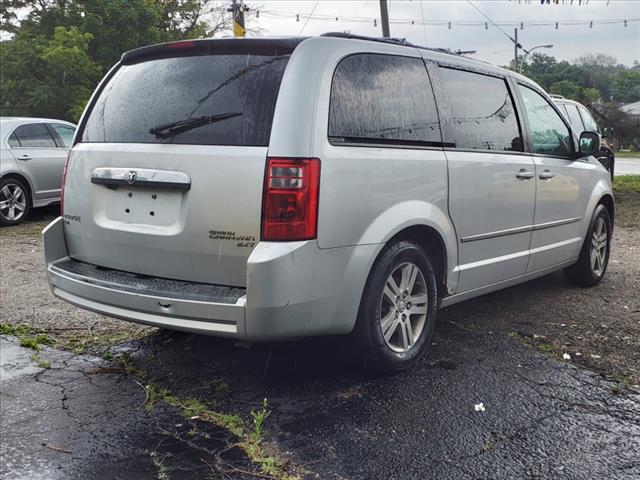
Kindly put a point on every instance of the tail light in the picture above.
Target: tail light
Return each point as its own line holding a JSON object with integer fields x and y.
{"x": 64, "y": 180}
{"x": 290, "y": 204}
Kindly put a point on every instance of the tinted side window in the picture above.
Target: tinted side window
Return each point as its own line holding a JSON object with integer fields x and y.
{"x": 13, "y": 140}
{"x": 65, "y": 132}
{"x": 550, "y": 135}
{"x": 384, "y": 99}
{"x": 481, "y": 112}
{"x": 590, "y": 124}
{"x": 34, "y": 135}
{"x": 574, "y": 117}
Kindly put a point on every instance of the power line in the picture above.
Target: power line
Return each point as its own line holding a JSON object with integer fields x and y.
{"x": 309, "y": 17}
{"x": 424, "y": 27}
{"x": 283, "y": 15}
{"x": 492, "y": 22}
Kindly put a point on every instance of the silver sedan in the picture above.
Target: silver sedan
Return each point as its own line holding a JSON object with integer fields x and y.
{"x": 32, "y": 156}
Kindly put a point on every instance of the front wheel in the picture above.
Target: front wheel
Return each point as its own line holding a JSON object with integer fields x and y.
{"x": 594, "y": 256}
{"x": 398, "y": 310}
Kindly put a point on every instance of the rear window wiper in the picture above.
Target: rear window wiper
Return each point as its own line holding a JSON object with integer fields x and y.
{"x": 171, "y": 129}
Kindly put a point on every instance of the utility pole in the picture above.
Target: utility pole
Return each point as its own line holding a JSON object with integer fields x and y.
{"x": 515, "y": 49}
{"x": 384, "y": 18}
{"x": 238, "y": 9}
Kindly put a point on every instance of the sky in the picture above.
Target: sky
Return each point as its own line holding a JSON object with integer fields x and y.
{"x": 569, "y": 41}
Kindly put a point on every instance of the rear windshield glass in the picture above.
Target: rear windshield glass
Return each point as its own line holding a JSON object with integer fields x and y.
{"x": 144, "y": 96}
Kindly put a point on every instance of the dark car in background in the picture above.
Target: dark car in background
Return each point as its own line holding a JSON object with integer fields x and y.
{"x": 582, "y": 119}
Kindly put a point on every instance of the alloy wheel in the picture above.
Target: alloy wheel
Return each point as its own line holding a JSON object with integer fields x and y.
{"x": 403, "y": 307}
{"x": 599, "y": 242}
{"x": 13, "y": 202}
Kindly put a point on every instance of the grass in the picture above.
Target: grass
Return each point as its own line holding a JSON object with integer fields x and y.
{"x": 627, "y": 155}
{"x": 626, "y": 183}
{"x": 18, "y": 330}
{"x": 158, "y": 462}
{"x": 35, "y": 341}
{"x": 621, "y": 383}
{"x": 249, "y": 440}
{"x": 258, "y": 417}
{"x": 547, "y": 347}
{"x": 41, "y": 362}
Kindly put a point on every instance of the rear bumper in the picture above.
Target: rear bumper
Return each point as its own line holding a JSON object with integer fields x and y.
{"x": 293, "y": 290}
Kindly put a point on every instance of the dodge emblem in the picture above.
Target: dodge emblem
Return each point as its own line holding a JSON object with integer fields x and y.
{"x": 132, "y": 177}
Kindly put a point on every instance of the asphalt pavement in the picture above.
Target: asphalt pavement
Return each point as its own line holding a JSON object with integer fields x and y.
{"x": 627, "y": 166}
{"x": 542, "y": 418}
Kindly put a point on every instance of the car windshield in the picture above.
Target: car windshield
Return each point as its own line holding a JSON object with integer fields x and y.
{"x": 141, "y": 97}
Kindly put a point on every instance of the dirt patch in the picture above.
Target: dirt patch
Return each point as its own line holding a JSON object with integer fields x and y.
{"x": 628, "y": 210}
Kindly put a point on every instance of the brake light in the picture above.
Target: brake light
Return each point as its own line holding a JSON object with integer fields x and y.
{"x": 290, "y": 203}
{"x": 64, "y": 180}
{"x": 180, "y": 45}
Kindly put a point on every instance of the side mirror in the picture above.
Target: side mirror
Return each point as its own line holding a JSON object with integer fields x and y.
{"x": 607, "y": 132}
{"x": 589, "y": 143}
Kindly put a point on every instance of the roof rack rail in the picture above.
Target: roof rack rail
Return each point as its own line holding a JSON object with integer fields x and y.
{"x": 392, "y": 40}
{"x": 556, "y": 96}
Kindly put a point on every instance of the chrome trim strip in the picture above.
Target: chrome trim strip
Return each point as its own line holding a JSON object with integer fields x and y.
{"x": 140, "y": 177}
{"x": 556, "y": 223}
{"x": 564, "y": 243}
{"x": 489, "y": 261}
{"x": 513, "y": 231}
{"x": 498, "y": 233}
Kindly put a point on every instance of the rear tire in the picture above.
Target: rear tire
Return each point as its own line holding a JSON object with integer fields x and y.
{"x": 594, "y": 256}
{"x": 15, "y": 203}
{"x": 397, "y": 313}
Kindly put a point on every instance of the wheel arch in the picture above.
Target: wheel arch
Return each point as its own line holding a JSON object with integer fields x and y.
{"x": 431, "y": 241}
{"x": 425, "y": 223}
{"x": 607, "y": 201}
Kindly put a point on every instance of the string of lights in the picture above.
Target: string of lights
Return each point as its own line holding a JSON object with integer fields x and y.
{"x": 288, "y": 15}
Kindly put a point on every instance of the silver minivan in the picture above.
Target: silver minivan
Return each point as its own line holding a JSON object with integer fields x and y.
{"x": 276, "y": 189}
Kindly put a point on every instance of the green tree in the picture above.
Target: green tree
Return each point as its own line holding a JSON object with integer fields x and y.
{"x": 566, "y": 88}
{"x": 68, "y": 63}
{"x": 626, "y": 86}
{"x": 588, "y": 95}
{"x": 47, "y": 77}
{"x": 58, "y": 49}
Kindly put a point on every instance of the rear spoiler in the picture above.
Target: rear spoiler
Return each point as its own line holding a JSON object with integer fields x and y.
{"x": 210, "y": 46}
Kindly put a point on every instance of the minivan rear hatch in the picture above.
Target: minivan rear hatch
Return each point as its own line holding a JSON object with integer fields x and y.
{"x": 166, "y": 175}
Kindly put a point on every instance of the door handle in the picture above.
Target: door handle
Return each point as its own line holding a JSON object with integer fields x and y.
{"x": 24, "y": 157}
{"x": 546, "y": 175}
{"x": 525, "y": 174}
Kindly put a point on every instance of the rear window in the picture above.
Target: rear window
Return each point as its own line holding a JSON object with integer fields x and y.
{"x": 143, "y": 96}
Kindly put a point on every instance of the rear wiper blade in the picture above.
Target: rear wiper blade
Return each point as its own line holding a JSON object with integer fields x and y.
{"x": 171, "y": 129}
